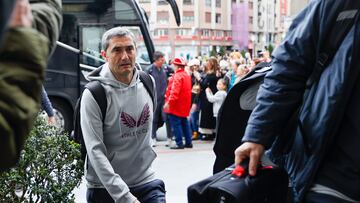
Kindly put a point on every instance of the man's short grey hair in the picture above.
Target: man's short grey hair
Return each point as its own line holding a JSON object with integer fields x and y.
{"x": 157, "y": 55}
{"x": 116, "y": 32}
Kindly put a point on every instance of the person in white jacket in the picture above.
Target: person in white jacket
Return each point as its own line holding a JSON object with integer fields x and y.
{"x": 218, "y": 98}
{"x": 119, "y": 152}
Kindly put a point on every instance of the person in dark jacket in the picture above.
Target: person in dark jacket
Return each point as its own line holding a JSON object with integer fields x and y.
{"x": 207, "y": 119}
{"x": 157, "y": 71}
{"x": 47, "y": 107}
{"x": 27, "y": 43}
{"x": 324, "y": 161}
{"x": 178, "y": 104}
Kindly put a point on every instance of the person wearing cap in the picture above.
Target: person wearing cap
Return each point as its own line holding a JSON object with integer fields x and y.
{"x": 178, "y": 104}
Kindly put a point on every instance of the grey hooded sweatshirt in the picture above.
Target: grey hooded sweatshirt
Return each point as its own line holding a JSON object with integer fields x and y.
{"x": 119, "y": 153}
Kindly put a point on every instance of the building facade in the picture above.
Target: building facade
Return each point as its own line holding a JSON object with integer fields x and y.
{"x": 251, "y": 25}
{"x": 265, "y": 20}
{"x": 206, "y": 24}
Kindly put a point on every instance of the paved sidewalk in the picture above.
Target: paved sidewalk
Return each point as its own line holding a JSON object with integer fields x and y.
{"x": 178, "y": 169}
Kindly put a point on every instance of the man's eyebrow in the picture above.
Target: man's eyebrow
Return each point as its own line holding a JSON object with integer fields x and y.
{"x": 117, "y": 47}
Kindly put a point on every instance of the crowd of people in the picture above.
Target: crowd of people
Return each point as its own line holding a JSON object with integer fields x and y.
{"x": 211, "y": 78}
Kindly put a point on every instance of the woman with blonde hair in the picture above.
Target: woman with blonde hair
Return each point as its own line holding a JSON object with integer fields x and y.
{"x": 241, "y": 72}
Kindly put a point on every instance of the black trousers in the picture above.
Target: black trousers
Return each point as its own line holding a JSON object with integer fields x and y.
{"x": 158, "y": 118}
{"x": 152, "y": 192}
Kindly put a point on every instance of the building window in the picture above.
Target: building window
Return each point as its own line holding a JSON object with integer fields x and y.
{"x": 250, "y": 20}
{"x": 163, "y": 17}
{"x": 218, "y": 3}
{"x": 218, "y": 18}
{"x": 251, "y": 5}
{"x": 188, "y": 2}
{"x": 259, "y": 37}
{"x": 207, "y": 17}
{"x": 188, "y": 16}
{"x": 229, "y": 33}
{"x": 219, "y": 33}
{"x": 208, "y": 3}
{"x": 161, "y": 32}
{"x": 205, "y": 33}
{"x": 184, "y": 32}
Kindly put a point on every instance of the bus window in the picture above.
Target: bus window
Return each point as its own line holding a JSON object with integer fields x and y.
{"x": 91, "y": 44}
{"x": 123, "y": 10}
{"x": 142, "y": 53}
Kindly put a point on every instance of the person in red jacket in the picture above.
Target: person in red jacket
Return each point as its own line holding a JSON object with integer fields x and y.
{"x": 178, "y": 104}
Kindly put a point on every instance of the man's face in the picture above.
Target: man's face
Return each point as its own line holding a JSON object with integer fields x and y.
{"x": 160, "y": 61}
{"x": 121, "y": 56}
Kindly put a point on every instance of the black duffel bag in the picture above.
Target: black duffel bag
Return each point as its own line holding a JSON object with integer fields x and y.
{"x": 234, "y": 185}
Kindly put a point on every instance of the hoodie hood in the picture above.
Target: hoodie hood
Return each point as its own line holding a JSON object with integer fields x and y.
{"x": 105, "y": 76}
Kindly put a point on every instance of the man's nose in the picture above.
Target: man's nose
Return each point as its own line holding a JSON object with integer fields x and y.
{"x": 124, "y": 56}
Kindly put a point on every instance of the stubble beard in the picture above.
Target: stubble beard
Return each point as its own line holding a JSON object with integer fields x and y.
{"x": 124, "y": 76}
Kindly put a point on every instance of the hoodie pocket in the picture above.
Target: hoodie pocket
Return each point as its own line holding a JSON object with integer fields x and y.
{"x": 133, "y": 166}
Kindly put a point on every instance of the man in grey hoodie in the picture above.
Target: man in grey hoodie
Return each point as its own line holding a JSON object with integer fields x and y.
{"x": 119, "y": 152}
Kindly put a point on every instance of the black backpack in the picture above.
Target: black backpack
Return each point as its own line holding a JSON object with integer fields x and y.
{"x": 98, "y": 92}
{"x": 234, "y": 185}
{"x": 232, "y": 119}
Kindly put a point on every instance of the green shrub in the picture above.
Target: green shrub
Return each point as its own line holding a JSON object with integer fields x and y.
{"x": 222, "y": 51}
{"x": 213, "y": 51}
{"x": 270, "y": 49}
{"x": 243, "y": 52}
{"x": 49, "y": 168}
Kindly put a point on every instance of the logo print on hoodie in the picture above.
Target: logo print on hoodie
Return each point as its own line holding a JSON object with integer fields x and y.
{"x": 131, "y": 122}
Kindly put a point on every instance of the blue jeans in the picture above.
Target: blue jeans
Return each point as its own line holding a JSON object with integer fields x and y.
{"x": 194, "y": 121}
{"x": 169, "y": 130}
{"x": 152, "y": 192}
{"x": 181, "y": 127}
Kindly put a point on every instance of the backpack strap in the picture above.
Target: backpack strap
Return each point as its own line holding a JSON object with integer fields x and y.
{"x": 149, "y": 85}
{"x": 342, "y": 24}
{"x": 98, "y": 92}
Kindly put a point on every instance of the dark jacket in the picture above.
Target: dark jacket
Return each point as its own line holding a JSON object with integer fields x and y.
{"x": 283, "y": 90}
{"x": 160, "y": 78}
{"x": 207, "y": 119}
{"x": 46, "y": 104}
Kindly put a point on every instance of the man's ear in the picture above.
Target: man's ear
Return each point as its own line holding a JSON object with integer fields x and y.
{"x": 103, "y": 54}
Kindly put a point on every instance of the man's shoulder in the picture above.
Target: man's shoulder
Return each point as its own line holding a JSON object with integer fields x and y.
{"x": 149, "y": 69}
